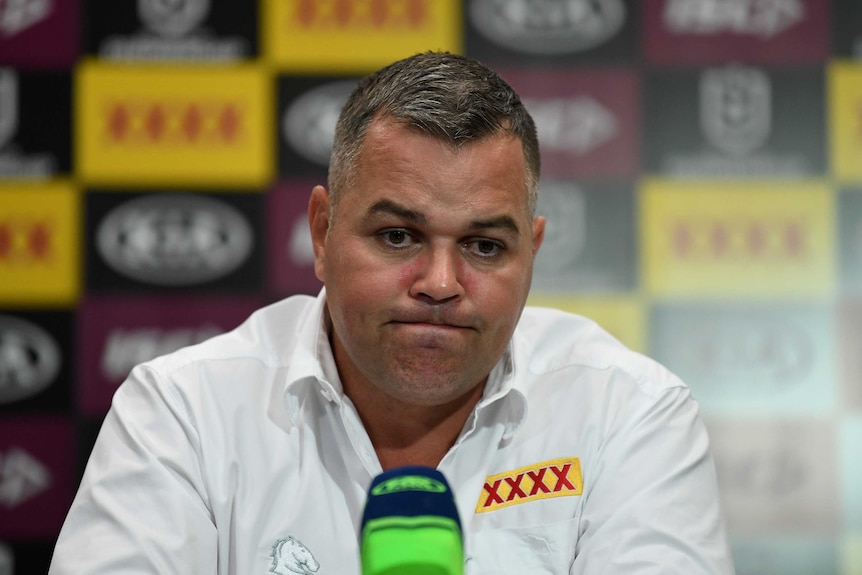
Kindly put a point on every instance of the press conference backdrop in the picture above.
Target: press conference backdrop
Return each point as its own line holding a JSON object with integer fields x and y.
{"x": 702, "y": 183}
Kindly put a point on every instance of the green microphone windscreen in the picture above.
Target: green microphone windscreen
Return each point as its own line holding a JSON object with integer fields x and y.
{"x": 410, "y": 525}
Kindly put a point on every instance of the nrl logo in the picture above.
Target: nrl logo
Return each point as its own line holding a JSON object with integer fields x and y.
{"x": 290, "y": 556}
{"x": 173, "y": 17}
{"x": 736, "y": 109}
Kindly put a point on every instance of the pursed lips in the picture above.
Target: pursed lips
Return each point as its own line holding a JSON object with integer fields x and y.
{"x": 430, "y": 324}
{"x": 426, "y": 320}
{"x": 430, "y": 335}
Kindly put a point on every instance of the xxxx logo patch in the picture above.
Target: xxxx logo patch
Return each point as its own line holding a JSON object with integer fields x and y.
{"x": 555, "y": 478}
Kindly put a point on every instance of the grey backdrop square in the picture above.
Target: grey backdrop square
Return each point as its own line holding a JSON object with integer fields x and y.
{"x": 786, "y": 556}
{"x": 850, "y": 335}
{"x": 735, "y": 121}
{"x": 847, "y": 28}
{"x": 779, "y": 476}
{"x": 750, "y": 357}
{"x": 850, "y": 239}
{"x": 589, "y": 239}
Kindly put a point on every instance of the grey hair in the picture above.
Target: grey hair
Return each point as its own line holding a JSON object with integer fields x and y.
{"x": 448, "y": 96}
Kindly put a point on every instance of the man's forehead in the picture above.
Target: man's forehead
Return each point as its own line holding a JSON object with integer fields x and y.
{"x": 388, "y": 164}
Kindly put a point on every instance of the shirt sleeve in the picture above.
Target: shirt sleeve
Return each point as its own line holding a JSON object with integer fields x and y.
{"x": 653, "y": 503}
{"x": 142, "y": 506}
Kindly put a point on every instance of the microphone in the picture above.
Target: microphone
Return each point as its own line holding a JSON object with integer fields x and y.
{"x": 410, "y": 525}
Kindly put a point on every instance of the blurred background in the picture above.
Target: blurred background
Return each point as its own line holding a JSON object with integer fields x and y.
{"x": 702, "y": 182}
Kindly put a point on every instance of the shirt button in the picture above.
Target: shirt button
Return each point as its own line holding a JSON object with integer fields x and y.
{"x": 326, "y": 395}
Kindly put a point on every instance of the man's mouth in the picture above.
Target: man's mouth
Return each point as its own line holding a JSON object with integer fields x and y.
{"x": 432, "y": 323}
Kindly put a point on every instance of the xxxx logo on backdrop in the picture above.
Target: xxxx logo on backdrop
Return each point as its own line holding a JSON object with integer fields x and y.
{"x": 845, "y": 109}
{"x": 357, "y": 35}
{"x": 737, "y": 239}
{"x": 39, "y": 251}
{"x": 174, "y": 126}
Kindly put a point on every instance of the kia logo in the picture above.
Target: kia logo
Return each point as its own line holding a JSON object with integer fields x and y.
{"x": 548, "y": 27}
{"x": 769, "y": 352}
{"x": 768, "y": 473}
{"x": 174, "y": 240}
{"x": 29, "y": 359}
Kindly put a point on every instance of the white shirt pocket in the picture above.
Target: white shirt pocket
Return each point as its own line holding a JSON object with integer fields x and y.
{"x": 547, "y": 549}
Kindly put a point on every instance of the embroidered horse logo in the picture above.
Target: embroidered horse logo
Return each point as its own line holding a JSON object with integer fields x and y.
{"x": 290, "y": 556}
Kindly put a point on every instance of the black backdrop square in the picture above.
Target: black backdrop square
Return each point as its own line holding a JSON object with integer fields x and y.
{"x": 103, "y": 19}
{"x": 55, "y": 398}
{"x": 44, "y": 117}
{"x": 101, "y": 278}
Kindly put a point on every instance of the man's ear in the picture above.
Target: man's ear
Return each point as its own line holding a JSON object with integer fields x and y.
{"x": 538, "y": 233}
{"x": 318, "y": 223}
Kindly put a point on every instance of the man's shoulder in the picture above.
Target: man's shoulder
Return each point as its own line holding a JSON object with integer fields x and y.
{"x": 267, "y": 336}
{"x": 553, "y": 340}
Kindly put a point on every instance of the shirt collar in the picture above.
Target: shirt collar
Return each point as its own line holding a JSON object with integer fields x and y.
{"x": 312, "y": 365}
{"x": 503, "y": 385}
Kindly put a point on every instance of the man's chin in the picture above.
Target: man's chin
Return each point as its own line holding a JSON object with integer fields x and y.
{"x": 432, "y": 390}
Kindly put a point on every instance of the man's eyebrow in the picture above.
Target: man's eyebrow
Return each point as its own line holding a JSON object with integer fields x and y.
{"x": 388, "y": 207}
{"x": 506, "y": 223}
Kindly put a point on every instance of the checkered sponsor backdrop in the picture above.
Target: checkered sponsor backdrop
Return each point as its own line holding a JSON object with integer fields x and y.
{"x": 702, "y": 183}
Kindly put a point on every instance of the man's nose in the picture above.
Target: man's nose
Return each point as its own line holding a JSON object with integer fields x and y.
{"x": 438, "y": 278}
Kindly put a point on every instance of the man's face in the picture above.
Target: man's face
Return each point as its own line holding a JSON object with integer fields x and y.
{"x": 427, "y": 262}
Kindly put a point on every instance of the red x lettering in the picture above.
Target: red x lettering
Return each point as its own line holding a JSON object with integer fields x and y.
{"x": 562, "y": 480}
{"x": 493, "y": 496}
{"x": 515, "y": 484}
{"x": 539, "y": 481}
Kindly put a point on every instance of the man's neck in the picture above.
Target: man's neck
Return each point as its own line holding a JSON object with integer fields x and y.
{"x": 404, "y": 434}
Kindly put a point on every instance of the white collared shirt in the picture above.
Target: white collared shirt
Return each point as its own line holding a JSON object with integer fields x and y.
{"x": 242, "y": 456}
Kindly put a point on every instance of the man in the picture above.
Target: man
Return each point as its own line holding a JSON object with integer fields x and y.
{"x": 252, "y": 453}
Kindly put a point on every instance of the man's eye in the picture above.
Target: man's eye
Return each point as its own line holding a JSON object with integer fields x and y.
{"x": 486, "y": 248}
{"x": 396, "y": 238}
